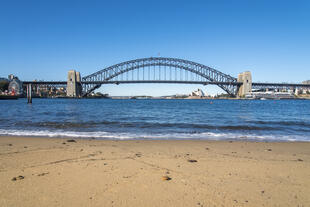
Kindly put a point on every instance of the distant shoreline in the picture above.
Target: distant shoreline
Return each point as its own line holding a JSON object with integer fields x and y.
{"x": 159, "y": 98}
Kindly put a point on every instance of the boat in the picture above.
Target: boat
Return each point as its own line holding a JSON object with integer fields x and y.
{"x": 8, "y": 97}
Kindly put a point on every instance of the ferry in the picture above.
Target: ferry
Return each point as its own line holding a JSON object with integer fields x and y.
{"x": 8, "y": 97}
{"x": 269, "y": 95}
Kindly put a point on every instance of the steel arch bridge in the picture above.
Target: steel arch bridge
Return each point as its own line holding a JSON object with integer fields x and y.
{"x": 159, "y": 70}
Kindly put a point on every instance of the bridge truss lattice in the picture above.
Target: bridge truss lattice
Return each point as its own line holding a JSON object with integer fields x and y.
{"x": 159, "y": 70}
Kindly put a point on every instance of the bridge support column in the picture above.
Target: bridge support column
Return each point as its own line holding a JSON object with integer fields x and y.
{"x": 74, "y": 88}
{"x": 246, "y": 79}
{"x": 29, "y": 93}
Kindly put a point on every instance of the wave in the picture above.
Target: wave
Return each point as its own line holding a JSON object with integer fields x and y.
{"x": 142, "y": 125}
{"x": 131, "y": 136}
{"x": 55, "y": 125}
{"x": 283, "y": 123}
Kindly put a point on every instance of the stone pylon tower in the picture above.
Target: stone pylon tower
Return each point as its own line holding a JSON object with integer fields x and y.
{"x": 246, "y": 79}
{"x": 74, "y": 88}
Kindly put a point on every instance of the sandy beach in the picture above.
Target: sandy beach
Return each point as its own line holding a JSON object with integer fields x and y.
{"x": 63, "y": 172}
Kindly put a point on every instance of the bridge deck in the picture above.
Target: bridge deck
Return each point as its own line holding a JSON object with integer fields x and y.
{"x": 169, "y": 82}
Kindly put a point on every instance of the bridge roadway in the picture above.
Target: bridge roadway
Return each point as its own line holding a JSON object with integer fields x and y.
{"x": 266, "y": 85}
{"x": 132, "y": 82}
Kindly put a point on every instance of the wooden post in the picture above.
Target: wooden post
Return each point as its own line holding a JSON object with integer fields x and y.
{"x": 29, "y": 93}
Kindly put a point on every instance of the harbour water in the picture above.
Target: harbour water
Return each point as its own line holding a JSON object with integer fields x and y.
{"x": 257, "y": 120}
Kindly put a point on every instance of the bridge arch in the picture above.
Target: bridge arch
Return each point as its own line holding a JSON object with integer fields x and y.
{"x": 116, "y": 71}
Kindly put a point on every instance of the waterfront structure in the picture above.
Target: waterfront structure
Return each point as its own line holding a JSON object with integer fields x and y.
{"x": 74, "y": 88}
{"x": 306, "y": 90}
{"x": 246, "y": 79}
{"x": 198, "y": 93}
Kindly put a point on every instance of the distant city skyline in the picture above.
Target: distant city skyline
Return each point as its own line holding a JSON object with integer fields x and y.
{"x": 44, "y": 39}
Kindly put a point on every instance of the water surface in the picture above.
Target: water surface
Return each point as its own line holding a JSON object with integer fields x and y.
{"x": 281, "y": 120}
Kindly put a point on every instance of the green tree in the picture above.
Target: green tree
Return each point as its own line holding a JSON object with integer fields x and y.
{"x": 4, "y": 85}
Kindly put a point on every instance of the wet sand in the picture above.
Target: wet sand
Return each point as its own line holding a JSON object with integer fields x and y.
{"x": 55, "y": 172}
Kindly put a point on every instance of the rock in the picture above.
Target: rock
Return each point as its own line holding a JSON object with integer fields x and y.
{"x": 300, "y": 160}
{"x": 42, "y": 174}
{"x": 207, "y": 148}
{"x": 192, "y": 161}
{"x": 71, "y": 140}
{"x": 269, "y": 150}
{"x": 166, "y": 178}
{"x": 20, "y": 177}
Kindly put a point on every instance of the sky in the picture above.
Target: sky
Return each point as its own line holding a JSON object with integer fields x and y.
{"x": 44, "y": 39}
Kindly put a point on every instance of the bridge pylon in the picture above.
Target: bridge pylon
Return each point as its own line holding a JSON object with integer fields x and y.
{"x": 246, "y": 79}
{"x": 74, "y": 88}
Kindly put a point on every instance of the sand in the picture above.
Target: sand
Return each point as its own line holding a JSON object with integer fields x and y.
{"x": 54, "y": 172}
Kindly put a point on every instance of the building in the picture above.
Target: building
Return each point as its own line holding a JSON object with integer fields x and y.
{"x": 198, "y": 93}
{"x": 305, "y": 90}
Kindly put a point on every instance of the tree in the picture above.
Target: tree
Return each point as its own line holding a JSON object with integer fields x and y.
{"x": 4, "y": 85}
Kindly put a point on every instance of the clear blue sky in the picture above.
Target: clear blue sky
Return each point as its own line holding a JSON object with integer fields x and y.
{"x": 44, "y": 39}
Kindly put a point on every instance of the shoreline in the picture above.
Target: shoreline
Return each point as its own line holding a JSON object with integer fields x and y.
{"x": 37, "y": 171}
{"x": 160, "y": 139}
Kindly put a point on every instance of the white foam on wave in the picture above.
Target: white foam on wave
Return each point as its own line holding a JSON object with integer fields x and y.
{"x": 123, "y": 136}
